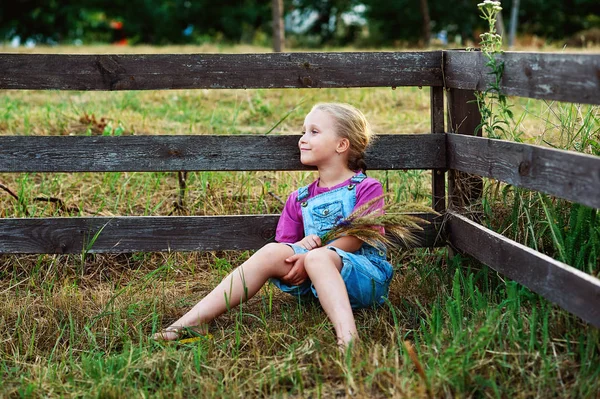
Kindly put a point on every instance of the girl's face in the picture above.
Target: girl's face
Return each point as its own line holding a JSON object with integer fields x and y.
{"x": 320, "y": 145}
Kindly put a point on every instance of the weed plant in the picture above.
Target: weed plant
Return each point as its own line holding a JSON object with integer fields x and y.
{"x": 78, "y": 325}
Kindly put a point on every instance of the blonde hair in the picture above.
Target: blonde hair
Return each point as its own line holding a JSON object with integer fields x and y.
{"x": 351, "y": 124}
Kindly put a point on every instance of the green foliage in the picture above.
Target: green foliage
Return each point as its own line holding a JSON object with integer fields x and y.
{"x": 574, "y": 232}
{"x": 144, "y": 21}
{"x": 558, "y": 19}
{"x": 329, "y": 27}
{"x": 393, "y": 20}
{"x": 249, "y": 21}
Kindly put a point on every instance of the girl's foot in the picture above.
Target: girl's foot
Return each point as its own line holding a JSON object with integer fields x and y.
{"x": 347, "y": 341}
{"x": 348, "y": 347}
{"x": 173, "y": 333}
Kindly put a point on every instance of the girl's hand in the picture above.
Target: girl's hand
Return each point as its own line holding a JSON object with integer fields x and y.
{"x": 309, "y": 242}
{"x": 297, "y": 275}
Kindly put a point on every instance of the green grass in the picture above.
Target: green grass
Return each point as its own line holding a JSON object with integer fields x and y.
{"x": 78, "y": 325}
{"x": 473, "y": 333}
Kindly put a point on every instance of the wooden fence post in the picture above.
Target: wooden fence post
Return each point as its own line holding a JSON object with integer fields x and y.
{"x": 464, "y": 190}
{"x": 438, "y": 183}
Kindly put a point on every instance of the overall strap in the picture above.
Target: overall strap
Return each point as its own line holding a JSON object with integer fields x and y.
{"x": 357, "y": 178}
{"x": 302, "y": 193}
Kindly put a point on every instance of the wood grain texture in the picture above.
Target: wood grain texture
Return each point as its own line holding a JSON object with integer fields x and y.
{"x": 549, "y": 76}
{"x": 153, "y": 233}
{"x": 464, "y": 190}
{"x": 565, "y": 174}
{"x": 569, "y": 288}
{"x": 219, "y": 71}
{"x": 199, "y": 153}
{"x": 132, "y": 234}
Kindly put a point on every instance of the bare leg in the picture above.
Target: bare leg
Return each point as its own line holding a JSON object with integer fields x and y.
{"x": 240, "y": 285}
{"x": 323, "y": 267}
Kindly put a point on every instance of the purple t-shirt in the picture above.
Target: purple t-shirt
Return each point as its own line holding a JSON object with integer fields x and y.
{"x": 290, "y": 228}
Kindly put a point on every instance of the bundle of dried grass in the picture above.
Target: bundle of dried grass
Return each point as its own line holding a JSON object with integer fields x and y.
{"x": 366, "y": 222}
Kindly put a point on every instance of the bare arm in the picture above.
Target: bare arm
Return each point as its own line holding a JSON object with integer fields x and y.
{"x": 347, "y": 243}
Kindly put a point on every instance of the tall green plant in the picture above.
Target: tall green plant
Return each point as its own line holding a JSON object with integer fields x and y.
{"x": 574, "y": 234}
{"x": 492, "y": 103}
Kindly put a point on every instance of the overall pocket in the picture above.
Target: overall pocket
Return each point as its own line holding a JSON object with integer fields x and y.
{"x": 327, "y": 215}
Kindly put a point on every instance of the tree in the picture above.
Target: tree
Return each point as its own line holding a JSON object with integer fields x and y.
{"x": 328, "y": 25}
{"x": 278, "y": 30}
{"x": 391, "y": 20}
{"x": 513, "y": 23}
{"x": 426, "y": 22}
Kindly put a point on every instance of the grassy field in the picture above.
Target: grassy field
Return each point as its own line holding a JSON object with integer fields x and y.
{"x": 78, "y": 326}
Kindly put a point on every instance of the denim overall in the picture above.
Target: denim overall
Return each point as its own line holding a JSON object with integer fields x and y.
{"x": 366, "y": 272}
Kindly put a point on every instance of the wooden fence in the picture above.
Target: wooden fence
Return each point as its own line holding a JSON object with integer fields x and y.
{"x": 569, "y": 175}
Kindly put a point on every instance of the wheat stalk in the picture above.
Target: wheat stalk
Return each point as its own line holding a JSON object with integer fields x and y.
{"x": 365, "y": 223}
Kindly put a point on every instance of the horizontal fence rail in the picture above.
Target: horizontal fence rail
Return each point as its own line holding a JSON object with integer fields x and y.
{"x": 155, "y": 234}
{"x": 549, "y": 76}
{"x": 565, "y": 174}
{"x": 571, "y": 289}
{"x": 210, "y": 153}
{"x": 219, "y": 71}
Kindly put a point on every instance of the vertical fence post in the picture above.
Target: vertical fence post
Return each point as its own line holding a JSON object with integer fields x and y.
{"x": 438, "y": 183}
{"x": 464, "y": 190}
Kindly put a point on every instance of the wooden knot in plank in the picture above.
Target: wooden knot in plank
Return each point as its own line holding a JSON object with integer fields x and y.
{"x": 112, "y": 72}
{"x": 268, "y": 233}
{"x": 524, "y": 168}
{"x": 305, "y": 81}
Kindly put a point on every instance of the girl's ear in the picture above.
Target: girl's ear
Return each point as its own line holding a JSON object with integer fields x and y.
{"x": 343, "y": 146}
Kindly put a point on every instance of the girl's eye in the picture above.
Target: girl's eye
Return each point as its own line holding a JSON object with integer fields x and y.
{"x": 314, "y": 132}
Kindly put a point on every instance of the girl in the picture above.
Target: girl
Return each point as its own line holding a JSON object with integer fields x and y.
{"x": 344, "y": 274}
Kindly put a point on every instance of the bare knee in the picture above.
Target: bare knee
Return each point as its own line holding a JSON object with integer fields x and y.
{"x": 273, "y": 255}
{"x": 319, "y": 258}
{"x": 276, "y": 249}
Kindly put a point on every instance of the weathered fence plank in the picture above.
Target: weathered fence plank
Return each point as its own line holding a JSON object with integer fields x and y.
{"x": 569, "y": 288}
{"x": 565, "y": 174}
{"x": 438, "y": 180}
{"x": 154, "y": 233}
{"x": 548, "y": 76}
{"x": 464, "y": 190}
{"x": 219, "y": 71}
{"x": 214, "y": 153}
